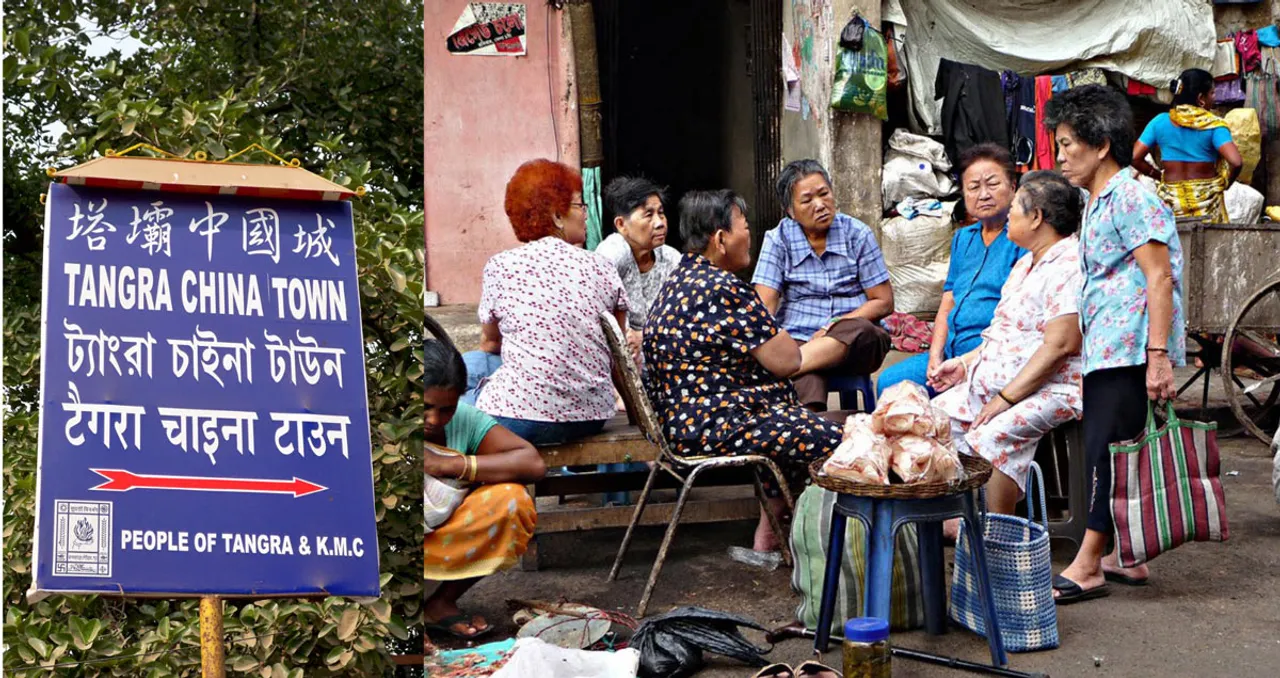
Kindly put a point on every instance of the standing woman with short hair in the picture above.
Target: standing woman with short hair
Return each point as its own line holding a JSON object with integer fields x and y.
{"x": 1130, "y": 309}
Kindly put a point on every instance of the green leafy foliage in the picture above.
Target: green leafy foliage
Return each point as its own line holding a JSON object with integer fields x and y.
{"x": 337, "y": 84}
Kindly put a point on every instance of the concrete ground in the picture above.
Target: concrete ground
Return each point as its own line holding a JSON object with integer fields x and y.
{"x": 1210, "y": 609}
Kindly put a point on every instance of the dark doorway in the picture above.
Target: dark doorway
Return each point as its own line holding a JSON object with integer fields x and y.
{"x": 683, "y": 100}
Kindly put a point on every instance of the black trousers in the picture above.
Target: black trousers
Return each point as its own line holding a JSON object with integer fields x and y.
{"x": 1115, "y": 410}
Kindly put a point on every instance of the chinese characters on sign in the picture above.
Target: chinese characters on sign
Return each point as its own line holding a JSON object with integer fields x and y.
{"x": 204, "y": 422}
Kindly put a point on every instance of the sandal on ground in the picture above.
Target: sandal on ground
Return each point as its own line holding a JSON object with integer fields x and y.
{"x": 1072, "y": 592}
{"x": 446, "y": 626}
{"x": 815, "y": 669}
{"x": 775, "y": 671}
{"x": 1125, "y": 579}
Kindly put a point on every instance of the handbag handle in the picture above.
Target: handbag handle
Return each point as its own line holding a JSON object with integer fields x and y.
{"x": 1037, "y": 475}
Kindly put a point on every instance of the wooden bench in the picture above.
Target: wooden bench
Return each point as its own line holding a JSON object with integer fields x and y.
{"x": 623, "y": 441}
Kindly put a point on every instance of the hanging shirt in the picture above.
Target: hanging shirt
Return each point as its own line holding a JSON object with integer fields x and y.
{"x": 975, "y": 277}
{"x": 814, "y": 289}
{"x": 1113, "y": 302}
{"x": 973, "y": 109}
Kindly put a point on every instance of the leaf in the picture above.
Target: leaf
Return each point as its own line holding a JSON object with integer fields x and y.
{"x": 397, "y": 277}
{"x": 381, "y": 610}
{"x": 244, "y": 663}
{"x": 80, "y": 630}
{"x": 334, "y": 655}
{"x": 39, "y": 646}
{"x": 215, "y": 149}
{"x": 347, "y": 623}
{"x": 22, "y": 41}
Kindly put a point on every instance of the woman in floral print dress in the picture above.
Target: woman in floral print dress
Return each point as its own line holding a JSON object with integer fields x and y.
{"x": 1130, "y": 309}
{"x": 718, "y": 363}
{"x": 1023, "y": 380}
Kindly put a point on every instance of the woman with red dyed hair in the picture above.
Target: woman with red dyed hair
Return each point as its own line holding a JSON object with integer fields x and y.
{"x": 539, "y": 313}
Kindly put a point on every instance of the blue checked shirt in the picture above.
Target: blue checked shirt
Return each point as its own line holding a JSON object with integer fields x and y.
{"x": 816, "y": 289}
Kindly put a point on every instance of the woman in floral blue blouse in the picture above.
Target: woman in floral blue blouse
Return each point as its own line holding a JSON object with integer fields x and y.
{"x": 1130, "y": 309}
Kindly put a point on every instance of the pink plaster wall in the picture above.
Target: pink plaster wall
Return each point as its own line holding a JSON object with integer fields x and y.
{"x": 485, "y": 115}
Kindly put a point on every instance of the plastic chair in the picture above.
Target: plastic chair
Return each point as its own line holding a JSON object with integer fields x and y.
{"x": 1061, "y": 455}
{"x": 882, "y": 518}
{"x": 849, "y": 387}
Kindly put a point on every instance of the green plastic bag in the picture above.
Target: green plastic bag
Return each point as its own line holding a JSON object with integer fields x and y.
{"x": 862, "y": 76}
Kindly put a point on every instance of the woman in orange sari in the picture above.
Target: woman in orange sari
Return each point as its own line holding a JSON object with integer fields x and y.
{"x": 491, "y": 527}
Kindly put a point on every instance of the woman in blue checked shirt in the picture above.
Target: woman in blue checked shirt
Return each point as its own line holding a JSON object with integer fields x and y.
{"x": 822, "y": 274}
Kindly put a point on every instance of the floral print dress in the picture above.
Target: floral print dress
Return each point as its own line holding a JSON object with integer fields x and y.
{"x": 1031, "y": 297}
{"x": 712, "y": 397}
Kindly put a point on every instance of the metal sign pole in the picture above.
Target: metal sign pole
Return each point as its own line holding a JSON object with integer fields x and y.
{"x": 212, "y": 651}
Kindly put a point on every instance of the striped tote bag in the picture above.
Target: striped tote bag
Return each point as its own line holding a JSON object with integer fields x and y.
{"x": 1165, "y": 488}
{"x": 810, "y": 529}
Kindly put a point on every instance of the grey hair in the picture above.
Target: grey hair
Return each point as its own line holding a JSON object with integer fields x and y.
{"x": 702, "y": 213}
{"x": 1060, "y": 203}
{"x": 792, "y": 174}
{"x": 1097, "y": 114}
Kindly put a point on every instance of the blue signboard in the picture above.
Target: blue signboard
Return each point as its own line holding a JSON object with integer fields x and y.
{"x": 204, "y": 424}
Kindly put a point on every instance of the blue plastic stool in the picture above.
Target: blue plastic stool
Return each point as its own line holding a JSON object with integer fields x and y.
{"x": 882, "y": 518}
{"x": 849, "y": 386}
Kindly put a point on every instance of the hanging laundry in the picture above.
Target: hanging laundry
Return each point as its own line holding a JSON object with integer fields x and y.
{"x": 1060, "y": 83}
{"x": 1088, "y": 76}
{"x": 1020, "y": 108}
{"x": 1045, "y": 148}
{"x": 1247, "y": 47}
{"x": 973, "y": 108}
{"x": 1139, "y": 89}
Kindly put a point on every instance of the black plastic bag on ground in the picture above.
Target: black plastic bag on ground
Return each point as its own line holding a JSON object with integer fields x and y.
{"x": 671, "y": 644}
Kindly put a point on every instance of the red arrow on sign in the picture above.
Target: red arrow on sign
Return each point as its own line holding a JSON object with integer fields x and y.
{"x": 119, "y": 480}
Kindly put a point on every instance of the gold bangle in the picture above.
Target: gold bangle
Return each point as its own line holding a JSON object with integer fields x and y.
{"x": 474, "y": 468}
{"x": 462, "y": 475}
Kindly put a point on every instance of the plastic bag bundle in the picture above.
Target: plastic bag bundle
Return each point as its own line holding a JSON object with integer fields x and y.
{"x": 863, "y": 456}
{"x": 906, "y": 435}
{"x": 904, "y": 409}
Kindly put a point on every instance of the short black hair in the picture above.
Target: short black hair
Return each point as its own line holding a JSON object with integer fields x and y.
{"x": 987, "y": 151}
{"x": 442, "y": 364}
{"x": 792, "y": 174}
{"x": 1190, "y": 85}
{"x": 1057, "y": 200}
{"x": 624, "y": 194}
{"x": 702, "y": 213}
{"x": 1097, "y": 114}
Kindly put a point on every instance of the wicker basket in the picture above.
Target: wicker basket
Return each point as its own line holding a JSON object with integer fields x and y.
{"x": 977, "y": 471}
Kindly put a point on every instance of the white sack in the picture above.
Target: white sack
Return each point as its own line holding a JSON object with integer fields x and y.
{"x": 914, "y": 167}
{"x": 1244, "y": 204}
{"x": 917, "y": 253}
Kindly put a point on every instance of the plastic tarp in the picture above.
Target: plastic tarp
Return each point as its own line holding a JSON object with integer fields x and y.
{"x": 1152, "y": 41}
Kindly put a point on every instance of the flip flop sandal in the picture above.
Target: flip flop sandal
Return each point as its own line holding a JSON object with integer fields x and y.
{"x": 816, "y": 670}
{"x": 1124, "y": 579}
{"x": 774, "y": 671}
{"x": 446, "y": 625}
{"x": 1073, "y": 593}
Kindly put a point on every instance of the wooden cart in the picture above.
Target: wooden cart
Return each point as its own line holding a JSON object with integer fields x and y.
{"x": 1231, "y": 295}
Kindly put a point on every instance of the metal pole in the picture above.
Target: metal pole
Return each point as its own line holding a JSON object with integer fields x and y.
{"x": 212, "y": 650}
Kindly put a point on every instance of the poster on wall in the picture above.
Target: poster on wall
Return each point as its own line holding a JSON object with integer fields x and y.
{"x": 489, "y": 29}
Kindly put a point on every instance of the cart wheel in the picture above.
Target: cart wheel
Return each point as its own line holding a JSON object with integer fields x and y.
{"x": 1251, "y": 366}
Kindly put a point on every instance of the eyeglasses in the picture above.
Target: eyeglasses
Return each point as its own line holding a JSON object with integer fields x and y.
{"x": 580, "y": 205}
